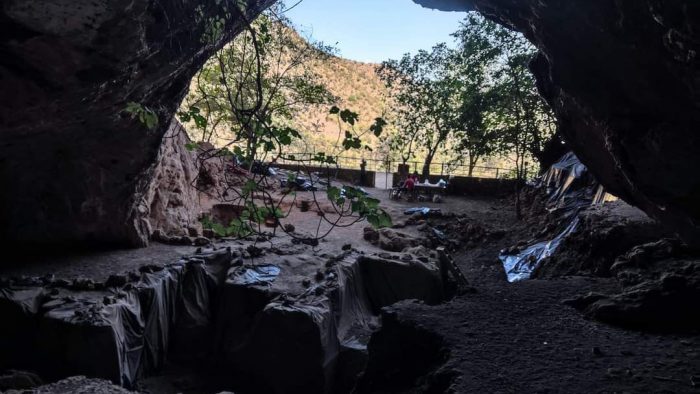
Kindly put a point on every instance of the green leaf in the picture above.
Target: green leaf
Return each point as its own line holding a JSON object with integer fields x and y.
{"x": 372, "y": 202}
{"x": 249, "y": 187}
{"x": 379, "y": 219}
{"x": 348, "y": 116}
{"x": 333, "y": 193}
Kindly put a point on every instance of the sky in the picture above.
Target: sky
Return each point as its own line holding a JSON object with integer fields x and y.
{"x": 373, "y": 30}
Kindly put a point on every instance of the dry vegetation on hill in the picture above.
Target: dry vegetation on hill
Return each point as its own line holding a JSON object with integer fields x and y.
{"x": 357, "y": 87}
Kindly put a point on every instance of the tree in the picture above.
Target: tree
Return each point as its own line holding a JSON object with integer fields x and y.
{"x": 477, "y": 56}
{"x": 241, "y": 101}
{"x": 403, "y": 142}
{"x": 246, "y": 92}
{"x": 425, "y": 95}
{"x": 477, "y": 138}
{"x": 524, "y": 120}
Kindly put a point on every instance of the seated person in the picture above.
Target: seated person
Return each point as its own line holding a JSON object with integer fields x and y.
{"x": 410, "y": 184}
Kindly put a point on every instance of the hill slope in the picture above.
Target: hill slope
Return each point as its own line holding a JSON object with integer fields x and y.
{"x": 357, "y": 87}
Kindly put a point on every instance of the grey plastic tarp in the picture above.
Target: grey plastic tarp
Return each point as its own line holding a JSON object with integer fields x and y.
{"x": 569, "y": 187}
{"x": 295, "y": 343}
{"x": 186, "y": 310}
{"x": 80, "y": 333}
{"x": 520, "y": 266}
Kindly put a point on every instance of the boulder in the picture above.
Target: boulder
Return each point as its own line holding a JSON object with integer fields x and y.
{"x": 390, "y": 240}
{"x": 410, "y": 279}
{"x": 660, "y": 288}
{"x": 604, "y": 233}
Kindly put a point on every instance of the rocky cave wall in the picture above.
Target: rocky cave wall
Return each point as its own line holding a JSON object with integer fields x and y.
{"x": 624, "y": 80}
{"x": 74, "y": 168}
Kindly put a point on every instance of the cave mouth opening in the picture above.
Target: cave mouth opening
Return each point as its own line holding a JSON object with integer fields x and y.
{"x": 276, "y": 97}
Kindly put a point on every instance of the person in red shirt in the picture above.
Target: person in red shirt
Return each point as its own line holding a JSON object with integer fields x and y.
{"x": 410, "y": 184}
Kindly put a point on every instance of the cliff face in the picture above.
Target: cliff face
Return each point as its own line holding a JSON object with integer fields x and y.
{"x": 624, "y": 79}
{"x": 73, "y": 165}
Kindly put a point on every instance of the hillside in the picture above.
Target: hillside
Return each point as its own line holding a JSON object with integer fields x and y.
{"x": 357, "y": 87}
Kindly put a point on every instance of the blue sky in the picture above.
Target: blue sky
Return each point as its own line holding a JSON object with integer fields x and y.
{"x": 374, "y": 30}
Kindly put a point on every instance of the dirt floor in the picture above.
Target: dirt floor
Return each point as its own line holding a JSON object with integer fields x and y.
{"x": 520, "y": 338}
{"x": 500, "y": 338}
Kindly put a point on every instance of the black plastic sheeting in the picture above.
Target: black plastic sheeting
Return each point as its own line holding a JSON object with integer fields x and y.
{"x": 570, "y": 187}
{"x": 276, "y": 337}
{"x": 117, "y": 334}
{"x": 272, "y": 327}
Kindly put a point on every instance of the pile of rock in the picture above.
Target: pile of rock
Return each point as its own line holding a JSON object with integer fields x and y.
{"x": 660, "y": 288}
{"x": 604, "y": 232}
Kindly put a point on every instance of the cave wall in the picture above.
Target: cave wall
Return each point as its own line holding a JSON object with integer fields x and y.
{"x": 73, "y": 166}
{"x": 623, "y": 77}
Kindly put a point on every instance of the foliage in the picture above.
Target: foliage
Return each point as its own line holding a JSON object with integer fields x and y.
{"x": 425, "y": 95}
{"x": 477, "y": 56}
{"x": 354, "y": 200}
{"x": 247, "y": 90}
{"x": 243, "y": 100}
{"x": 475, "y": 101}
{"x": 515, "y": 114}
{"x": 143, "y": 114}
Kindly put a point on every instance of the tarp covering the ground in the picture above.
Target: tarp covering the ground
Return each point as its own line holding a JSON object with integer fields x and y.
{"x": 288, "y": 326}
{"x": 291, "y": 323}
{"x": 113, "y": 333}
{"x": 520, "y": 266}
{"x": 570, "y": 187}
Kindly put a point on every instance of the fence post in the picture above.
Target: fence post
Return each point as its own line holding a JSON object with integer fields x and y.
{"x": 442, "y": 170}
{"x": 497, "y": 173}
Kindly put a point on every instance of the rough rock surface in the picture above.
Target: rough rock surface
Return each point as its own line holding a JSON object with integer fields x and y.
{"x": 624, "y": 81}
{"x": 660, "y": 288}
{"x": 604, "y": 232}
{"x": 19, "y": 380}
{"x": 171, "y": 202}
{"x": 73, "y": 165}
{"x": 390, "y": 240}
{"x": 289, "y": 320}
{"x": 77, "y": 385}
{"x": 184, "y": 184}
{"x": 405, "y": 357}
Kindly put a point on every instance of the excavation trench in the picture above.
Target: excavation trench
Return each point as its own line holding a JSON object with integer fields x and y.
{"x": 288, "y": 323}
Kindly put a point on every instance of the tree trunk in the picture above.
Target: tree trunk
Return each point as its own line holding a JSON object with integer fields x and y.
{"x": 518, "y": 184}
{"x": 472, "y": 164}
{"x": 518, "y": 210}
{"x": 426, "y": 165}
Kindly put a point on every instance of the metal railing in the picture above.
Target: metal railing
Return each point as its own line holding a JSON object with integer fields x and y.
{"x": 437, "y": 169}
